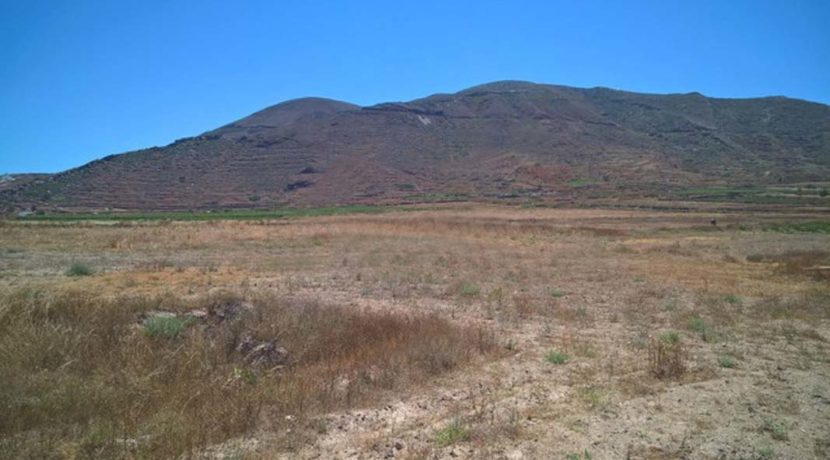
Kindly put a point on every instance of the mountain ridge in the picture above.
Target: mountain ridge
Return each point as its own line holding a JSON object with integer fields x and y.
{"x": 504, "y": 139}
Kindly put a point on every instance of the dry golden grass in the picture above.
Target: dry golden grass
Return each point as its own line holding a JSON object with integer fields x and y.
{"x": 80, "y": 377}
{"x": 375, "y": 307}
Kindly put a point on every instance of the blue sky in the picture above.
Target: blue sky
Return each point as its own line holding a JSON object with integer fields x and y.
{"x": 83, "y": 79}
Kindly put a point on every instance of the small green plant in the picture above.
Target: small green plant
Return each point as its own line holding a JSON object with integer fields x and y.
{"x": 731, "y": 298}
{"x": 586, "y": 351}
{"x": 697, "y": 324}
{"x": 244, "y": 375}
{"x": 585, "y": 455}
{"x": 670, "y": 337}
{"x": 640, "y": 341}
{"x": 707, "y": 333}
{"x": 556, "y": 293}
{"x": 766, "y": 453}
{"x": 580, "y": 182}
{"x": 670, "y": 304}
{"x": 556, "y": 357}
{"x": 165, "y": 327}
{"x": 777, "y": 429}
{"x": 79, "y": 269}
{"x": 726, "y": 361}
{"x": 454, "y": 432}
{"x": 469, "y": 290}
{"x": 667, "y": 357}
{"x": 595, "y": 398}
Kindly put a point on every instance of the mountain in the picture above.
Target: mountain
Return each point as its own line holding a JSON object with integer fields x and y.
{"x": 498, "y": 140}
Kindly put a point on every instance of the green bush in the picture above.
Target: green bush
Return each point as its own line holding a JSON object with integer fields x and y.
{"x": 454, "y": 432}
{"x": 556, "y": 357}
{"x": 670, "y": 337}
{"x": 726, "y": 361}
{"x": 79, "y": 269}
{"x": 166, "y": 327}
{"x": 707, "y": 333}
{"x": 556, "y": 293}
{"x": 731, "y": 298}
{"x": 469, "y": 290}
{"x": 777, "y": 429}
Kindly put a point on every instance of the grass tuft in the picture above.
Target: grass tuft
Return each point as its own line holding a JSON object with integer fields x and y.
{"x": 556, "y": 357}
{"x": 79, "y": 269}
{"x": 777, "y": 429}
{"x": 731, "y": 299}
{"x": 453, "y": 432}
{"x": 706, "y": 331}
{"x": 727, "y": 361}
{"x": 469, "y": 290}
{"x": 165, "y": 327}
{"x": 667, "y": 357}
{"x": 670, "y": 337}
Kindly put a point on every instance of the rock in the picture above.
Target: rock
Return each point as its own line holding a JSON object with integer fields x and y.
{"x": 265, "y": 353}
{"x": 399, "y": 445}
{"x": 197, "y": 314}
{"x": 229, "y": 310}
{"x": 515, "y": 455}
{"x": 147, "y": 315}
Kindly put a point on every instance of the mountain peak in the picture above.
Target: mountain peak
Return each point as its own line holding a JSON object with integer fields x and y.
{"x": 504, "y": 86}
{"x": 284, "y": 114}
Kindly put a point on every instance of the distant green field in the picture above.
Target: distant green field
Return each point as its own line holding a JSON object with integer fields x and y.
{"x": 818, "y": 226}
{"x": 231, "y": 214}
{"x": 757, "y": 195}
{"x": 579, "y": 182}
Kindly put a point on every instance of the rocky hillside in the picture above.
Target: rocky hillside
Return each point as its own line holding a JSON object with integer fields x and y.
{"x": 495, "y": 141}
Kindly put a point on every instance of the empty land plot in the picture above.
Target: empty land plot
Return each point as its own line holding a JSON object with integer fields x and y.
{"x": 473, "y": 331}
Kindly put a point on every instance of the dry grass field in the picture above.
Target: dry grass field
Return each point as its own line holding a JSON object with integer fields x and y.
{"x": 470, "y": 331}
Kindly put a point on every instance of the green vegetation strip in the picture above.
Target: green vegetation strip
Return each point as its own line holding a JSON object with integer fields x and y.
{"x": 819, "y": 226}
{"x": 233, "y": 214}
{"x": 757, "y": 195}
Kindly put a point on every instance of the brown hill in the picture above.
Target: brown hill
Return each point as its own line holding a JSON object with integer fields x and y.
{"x": 503, "y": 139}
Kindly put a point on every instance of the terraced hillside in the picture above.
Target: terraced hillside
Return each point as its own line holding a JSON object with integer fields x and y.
{"x": 499, "y": 140}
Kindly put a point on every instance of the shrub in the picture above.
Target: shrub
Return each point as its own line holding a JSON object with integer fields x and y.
{"x": 707, "y": 333}
{"x": 731, "y": 298}
{"x": 454, "y": 432}
{"x": 556, "y": 293}
{"x": 595, "y": 397}
{"x": 469, "y": 290}
{"x": 556, "y": 357}
{"x": 79, "y": 269}
{"x": 776, "y": 429}
{"x": 670, "y": 337}
{"x": 766, "y": 452}
{"x": 726, "y": 361}
{"x": 696, "y": 324}
{"x": 165, "y": 327}
{"x": 667, "y": 358}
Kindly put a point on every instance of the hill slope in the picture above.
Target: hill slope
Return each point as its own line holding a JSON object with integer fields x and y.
{"x": 502, "y": 139}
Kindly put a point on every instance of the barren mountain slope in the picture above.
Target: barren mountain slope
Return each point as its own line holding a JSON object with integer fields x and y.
{"x": 503, "y": 139}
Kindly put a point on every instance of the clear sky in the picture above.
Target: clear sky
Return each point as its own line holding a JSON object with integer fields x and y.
{"x": 83, "y": 79}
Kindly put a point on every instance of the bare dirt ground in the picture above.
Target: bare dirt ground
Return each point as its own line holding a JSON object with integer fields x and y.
{"x": 576, "y": 299}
